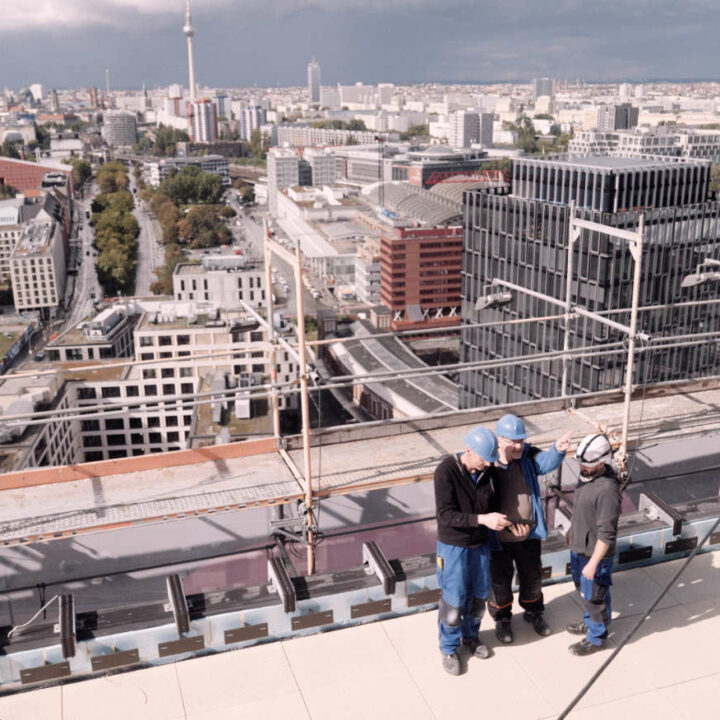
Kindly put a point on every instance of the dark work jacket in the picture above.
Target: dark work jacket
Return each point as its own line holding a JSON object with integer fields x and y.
{"x": 596, "y": 509}
{"x": 458, "y": 502}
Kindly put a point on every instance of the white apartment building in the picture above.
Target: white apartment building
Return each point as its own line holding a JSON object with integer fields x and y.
{"x": 283, "y": 168}
{"x": 367, "y": 272}
{"x": 225, "y": 281}
{"x": 322, "y": 165}
{"x": 11, "y": 230}
{"x": 37, "y": 266}
{"x": 156, "y": 171}
{"x": 202, "y": 120}
{"x": 119, "y": 128}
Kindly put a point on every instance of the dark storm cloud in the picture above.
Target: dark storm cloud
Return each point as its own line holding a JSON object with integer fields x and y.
{"x": 269, "y": 43}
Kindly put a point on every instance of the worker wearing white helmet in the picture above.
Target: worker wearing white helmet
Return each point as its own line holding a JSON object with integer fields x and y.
{"x": 596, "y": 509}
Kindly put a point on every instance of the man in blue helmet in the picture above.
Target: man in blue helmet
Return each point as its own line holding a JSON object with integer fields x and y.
{"x": 519, "y": 499}
{"x": 465, "y": 502}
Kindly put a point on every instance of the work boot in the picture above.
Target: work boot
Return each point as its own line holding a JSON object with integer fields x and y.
{"x": 584, "y": 647}
{"x": 503, "y": 630}
{"x": 578, "y": 628}
{"x": 451, "y": 664}
{"x": 477, "y": 649}
{"x": 537, "y": 620}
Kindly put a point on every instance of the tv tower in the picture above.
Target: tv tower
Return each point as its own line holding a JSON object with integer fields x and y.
{"x": 189, "y": 31}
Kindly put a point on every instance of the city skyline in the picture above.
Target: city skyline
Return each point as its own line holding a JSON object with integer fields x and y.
{"x": 270, "y": 44}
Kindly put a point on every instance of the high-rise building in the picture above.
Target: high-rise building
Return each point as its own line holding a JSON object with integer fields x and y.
{"x": 471, "y": 128}
{"x": 202, "y": 120}
{"x": 523, "y": 238}
{"x": 249, "y": 119}
{"x": 93, "y": 101}
{"x": 616, "y": 117}
{"x": 543, "y": 86}
{"x": 119, "y": 127}
{"x": 54, "y": 102}
{"x": 323, "y": 167}
{"x": 313, "y": 81}
{"x": 37, "y": 266}
{"x": 385, "y": 93}
{"x": 283, "y": 172}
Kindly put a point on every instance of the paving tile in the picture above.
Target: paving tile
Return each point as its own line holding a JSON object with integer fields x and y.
{"x": 285, "y": 705}
{"x": 696, "y": 699}
{"x": 234, "y": 677}
{"x": 415, "y": 637}
{"x": 149, "y": 694}
{"x": 699, "y": 581}
{"x": 634, "y": 707}
{"x": 669, "y": 646}
{"x": 369, "y": 696}
{"x": 45, "y": 703}
{"x": 496, "y": 687}
{"x": 329, "y": 658}
{"x": 633, "y": 592}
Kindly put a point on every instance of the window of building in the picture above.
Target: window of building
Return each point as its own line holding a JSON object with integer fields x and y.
{"x": 153, "y": 421}
{"x": 85, "y": 393}
{"x": 165, "y": 340}
{"x": 173, "y": 436}
{"x": 187, "y": 420}
{"x": 171, "y": 420}
{"x": 146, "y": 356}
{"x": 185, "y": 372}
{"x": 183, "y": 339}
{"x": 92, "y": 441}
{"x": 151, "y": 390}
{"x": 256, "y": 336}
{"x": 114, "y": 424}
{"x": 186, "y": 388}
{"x": 93, "y": 456}
{"x": 113, "y": 454}
{"x": 149, "y": 373}
{"x": 135, "y": 423}
{"x": 90, "y": 425}
{"x": 116, "y": 440}
{"x": 154, "y": 437}
{"x": 111, "y": 391}
{"x": 165, "y": 354}
{"x": 138, "y": 451}
{"x": 167, "y": 372}
{"x": 168, "y": 389}
{"x": 146, "y": 341}
{"x": 132, "y": 391}
{"x": 136, "y": 438}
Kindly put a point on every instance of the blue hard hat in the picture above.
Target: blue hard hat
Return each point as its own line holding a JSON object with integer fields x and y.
{"x": 511, "y": 427}
{"x": 483, "y": 443}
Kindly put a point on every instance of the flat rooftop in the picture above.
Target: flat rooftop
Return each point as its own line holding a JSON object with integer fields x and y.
{"x": 670, "y": 670}
{"x": 345, "y": 460}
{"x": 611, "y": 163}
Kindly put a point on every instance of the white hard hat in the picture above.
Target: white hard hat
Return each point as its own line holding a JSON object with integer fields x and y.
{"x": 594, "y": 449}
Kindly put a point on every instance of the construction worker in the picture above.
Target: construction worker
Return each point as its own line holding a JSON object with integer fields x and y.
{"x": 465, "y": 503}
{"x": 519, "y": 491}
{"x": 596, "y": 509}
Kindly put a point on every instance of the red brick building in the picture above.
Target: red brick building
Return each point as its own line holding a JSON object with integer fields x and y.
{"x": 27, "y": 177}
{"x": 420, "y": 276}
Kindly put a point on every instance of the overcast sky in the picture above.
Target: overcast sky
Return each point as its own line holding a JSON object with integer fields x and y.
{"x": 69, "y": 43}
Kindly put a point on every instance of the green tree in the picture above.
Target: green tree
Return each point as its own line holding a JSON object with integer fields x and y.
{"x": 82, "y": 170}
{"x": 415, "y": 131}
{"x": 9, "y": 150}
{"x": 7, "y": 191}
{"x": 259, "y": 144}
{"x": 163, "y": 284}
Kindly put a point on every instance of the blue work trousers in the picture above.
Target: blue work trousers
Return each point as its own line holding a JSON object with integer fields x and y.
{"x": 596, "y": 596}
{"x": 464, "y": 577}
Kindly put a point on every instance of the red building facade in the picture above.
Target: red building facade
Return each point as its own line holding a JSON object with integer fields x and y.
{"x": 26, "y": 177}
{"x": 420, "y": 276}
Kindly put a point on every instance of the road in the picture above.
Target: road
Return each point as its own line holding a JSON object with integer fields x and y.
{"x": 149, "y": 253}
{"x": 86, "y": 282}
